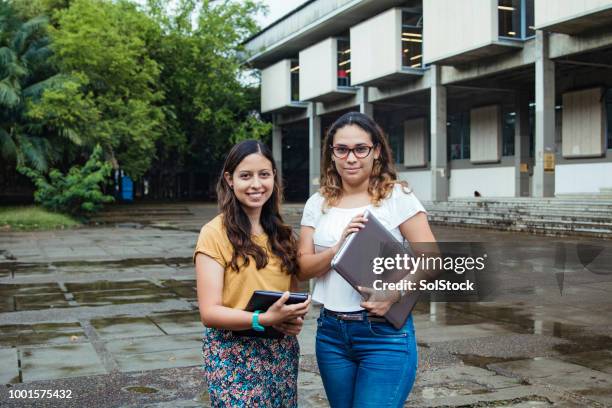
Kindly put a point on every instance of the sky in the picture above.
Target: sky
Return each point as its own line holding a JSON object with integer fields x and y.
{"x": 277, "y": 9}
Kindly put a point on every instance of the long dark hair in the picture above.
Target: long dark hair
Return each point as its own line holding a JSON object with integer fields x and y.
{"x": 383, "y": 176}
{"x": 281, "y": 240}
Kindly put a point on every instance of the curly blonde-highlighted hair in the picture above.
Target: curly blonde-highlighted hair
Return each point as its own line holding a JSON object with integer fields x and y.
{"x": 383, "y": 176}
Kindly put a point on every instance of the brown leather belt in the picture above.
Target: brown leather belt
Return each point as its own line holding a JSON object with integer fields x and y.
{"x": 358, "y": 316}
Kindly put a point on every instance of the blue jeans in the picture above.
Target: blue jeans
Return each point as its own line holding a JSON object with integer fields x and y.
{"x": 365, "y": 364}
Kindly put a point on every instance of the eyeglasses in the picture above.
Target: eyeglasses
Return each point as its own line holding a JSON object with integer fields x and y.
{"x": 342, "y": 152}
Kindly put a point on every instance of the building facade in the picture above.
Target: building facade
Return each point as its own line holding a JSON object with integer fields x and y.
{"x": 507, "y": 98}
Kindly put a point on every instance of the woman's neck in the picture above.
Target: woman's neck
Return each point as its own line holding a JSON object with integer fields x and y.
{"x": 254, "y": 215}
{"x": 354, "y": 196}
{"x": 356, "y": 189}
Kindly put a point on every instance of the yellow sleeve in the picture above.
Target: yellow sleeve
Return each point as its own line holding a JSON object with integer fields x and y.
{"x": 213, "y": 243}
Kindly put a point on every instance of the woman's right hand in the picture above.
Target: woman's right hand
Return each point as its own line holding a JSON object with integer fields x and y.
{"x": 280, "y": 312}
{"x": 354, "y": 225}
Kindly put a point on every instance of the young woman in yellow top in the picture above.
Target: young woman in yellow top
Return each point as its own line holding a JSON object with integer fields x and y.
{"x": 246, "y": 248}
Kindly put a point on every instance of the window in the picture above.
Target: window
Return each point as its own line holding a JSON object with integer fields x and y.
{"x": 531, "y": 128}
{"x": 516, "y": 19}
{"x": 393, "y": 124}
{"x": 609, "y": 118}
{"x": 344, "y": 62}
{"x": 412, "y": 40}
{"x": 508, "y": 128}
{"x": 458, "y": 134}
{"x": 529, "y": 19}
{"x": 295, "y": 81}
{"x": 396, "y": 142}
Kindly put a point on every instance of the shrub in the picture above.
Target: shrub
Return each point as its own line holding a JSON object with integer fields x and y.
{"x": 79, "y": 192}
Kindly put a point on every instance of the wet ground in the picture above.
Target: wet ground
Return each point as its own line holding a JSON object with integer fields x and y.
{"x": 109, "y": 313}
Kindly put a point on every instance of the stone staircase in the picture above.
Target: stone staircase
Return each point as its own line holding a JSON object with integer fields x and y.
{"x": 580, "y": 216}
{"x": 179, "y": 215}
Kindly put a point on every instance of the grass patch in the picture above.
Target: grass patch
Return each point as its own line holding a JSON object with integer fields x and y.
{"x": 33, "y": 218}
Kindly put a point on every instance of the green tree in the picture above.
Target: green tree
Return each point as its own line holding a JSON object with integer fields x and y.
{"x": 207, "y": 107}
{"x": 107, "y": 46}
{"x": 25, "y": 74}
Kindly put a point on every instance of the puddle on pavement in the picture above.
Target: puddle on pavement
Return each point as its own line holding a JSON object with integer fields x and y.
{"x": 60, "y": 361}
{"x": 519, "y": 321}
{"x": 7, "y": 304}
{"x": 111, "y": 285}
{"x": 533, "y": 401}
{"x": 40, "y": 333}
{"x": 38, "y": 302}
{"x": 448, "y": 316}
{"x": 120, "y": 297}
{"x": 172, "y": 283}
{"x": 185, "y": 292}
{"x": 600, "y": 360}
{"x": 158, "y": 353}
{"x": 17, "y": 269}
{"x": 31, "y": 297}
{"x": 29, "y": 289}
{"x": 122, "y": 326}
{"x": 203, "y": 397}
{"x": 482, "y": 361}
{"x": 141, "y": 390}
{"x": 452, "y": 390}
{"x": 183, "y": 288}
{"x": 12, "y": 269}
{"x": 177, "y": 323}
{"x": 160, "y": 359}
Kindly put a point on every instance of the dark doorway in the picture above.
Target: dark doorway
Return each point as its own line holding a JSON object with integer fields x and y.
{"x": 295, "y": 161}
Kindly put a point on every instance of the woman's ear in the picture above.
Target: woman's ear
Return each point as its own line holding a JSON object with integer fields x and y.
{"x": 228, "y": 179}
{"x": 377, "y": 152}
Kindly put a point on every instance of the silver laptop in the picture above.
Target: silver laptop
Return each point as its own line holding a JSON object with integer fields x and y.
{"x": 355, "y": 263}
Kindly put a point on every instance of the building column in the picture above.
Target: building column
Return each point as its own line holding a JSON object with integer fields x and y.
{"x": 521, "y": 145}
{"x": 544, "y": 179}
{"x": 314, "y": 148}
{"x": 437, "y": 120}
{"x": 277, "y": 147}
{"x": 364, "y": 106}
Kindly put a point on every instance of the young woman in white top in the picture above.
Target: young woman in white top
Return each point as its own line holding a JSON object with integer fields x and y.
{"x": 364, "y": 361}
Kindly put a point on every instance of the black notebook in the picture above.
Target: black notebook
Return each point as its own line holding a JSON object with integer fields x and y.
{"x": 262, "y": 300}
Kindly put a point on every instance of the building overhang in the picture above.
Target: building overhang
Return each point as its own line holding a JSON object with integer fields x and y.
{"x": 492, "y": 49}
{"x": 335, "y": 95}
{"x": 291, "y": 108}
{"x": 581, "y": 23}
{"x": 395, "y": 78}
{"x": 307, "y": 25}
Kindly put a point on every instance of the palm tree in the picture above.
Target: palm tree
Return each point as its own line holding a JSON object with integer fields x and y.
{"x": 25, "y": 72}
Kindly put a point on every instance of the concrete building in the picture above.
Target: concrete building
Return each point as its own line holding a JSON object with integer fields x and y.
{"x": 510, "y": 98}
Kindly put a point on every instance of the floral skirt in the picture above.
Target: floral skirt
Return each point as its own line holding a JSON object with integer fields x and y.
{"x": 249, "y": 371}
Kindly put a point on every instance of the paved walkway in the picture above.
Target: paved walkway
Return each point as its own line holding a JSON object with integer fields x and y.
{"x": 109, "y": 312}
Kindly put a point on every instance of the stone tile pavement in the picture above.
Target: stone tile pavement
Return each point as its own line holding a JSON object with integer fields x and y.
{"x": 109, "y": 312}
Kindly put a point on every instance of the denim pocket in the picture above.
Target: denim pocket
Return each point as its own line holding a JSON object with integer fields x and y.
{"x": 319, "y": 322}
{"x": 386, "y": 330}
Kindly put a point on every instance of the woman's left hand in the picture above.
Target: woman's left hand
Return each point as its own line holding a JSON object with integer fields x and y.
{"x": 290, "y": 327}
{"x": 378, "y": 301}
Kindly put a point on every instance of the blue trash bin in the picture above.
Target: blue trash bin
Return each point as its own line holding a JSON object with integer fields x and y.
{"x": 127, "y": 188}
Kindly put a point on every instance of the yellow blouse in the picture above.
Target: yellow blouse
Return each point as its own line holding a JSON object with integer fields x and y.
{"x": 238, "y": 286}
